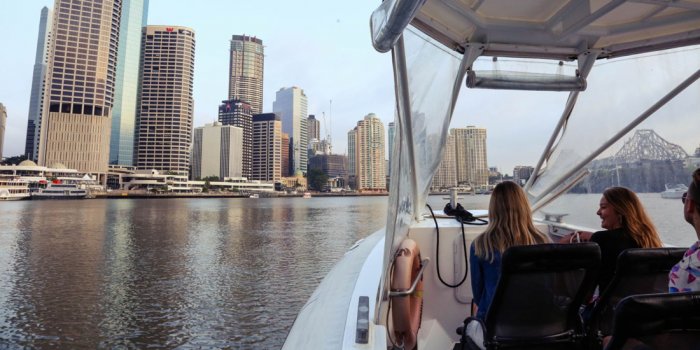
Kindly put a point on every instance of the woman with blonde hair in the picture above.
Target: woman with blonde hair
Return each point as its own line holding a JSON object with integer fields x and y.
{"x": 626, "y": 225}
{"x": 510, "y": 224}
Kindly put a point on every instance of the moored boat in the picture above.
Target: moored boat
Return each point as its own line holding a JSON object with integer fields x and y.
{"x": 674, "y": 191}
{"x": 60, "y": 191}
{"x": 607, "y": 69}
{"x": 13, "y": 188}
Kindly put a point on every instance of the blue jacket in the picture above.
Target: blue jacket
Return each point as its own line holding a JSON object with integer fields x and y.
{"x": 484, "y": 277}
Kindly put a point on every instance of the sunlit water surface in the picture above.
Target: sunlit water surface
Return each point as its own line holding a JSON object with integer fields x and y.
{"x": 193, "y": 273}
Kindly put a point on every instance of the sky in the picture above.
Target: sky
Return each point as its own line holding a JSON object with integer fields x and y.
{"x": 323, "y": 47}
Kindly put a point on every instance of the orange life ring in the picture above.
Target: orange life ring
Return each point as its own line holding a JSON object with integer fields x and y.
{"x": 406, "y": 310}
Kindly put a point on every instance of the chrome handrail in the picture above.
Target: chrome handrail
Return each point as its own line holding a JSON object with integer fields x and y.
{"x": 424, "y": 264}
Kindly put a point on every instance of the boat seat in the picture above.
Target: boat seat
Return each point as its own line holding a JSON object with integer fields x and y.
{"x": 537, "y": 300}
{"x": 657, "y": 321}
{"x": 638, "y": 271}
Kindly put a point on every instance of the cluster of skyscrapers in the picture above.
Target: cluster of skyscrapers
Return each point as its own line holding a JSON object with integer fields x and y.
{"x": 108, "y": 89}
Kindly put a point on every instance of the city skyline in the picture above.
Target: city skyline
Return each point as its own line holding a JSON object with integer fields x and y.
{"x": 301, "y": 49}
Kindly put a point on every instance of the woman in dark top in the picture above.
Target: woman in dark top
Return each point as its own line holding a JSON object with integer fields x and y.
{"x": 626, "y": 225}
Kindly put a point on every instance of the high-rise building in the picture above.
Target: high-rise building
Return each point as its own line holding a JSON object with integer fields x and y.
{"x": 121, "y": 145}
{"x": 369, "y": 154}
{"x": 446, "y": 175}
{"x": 246, "y": 68}
{"x": 284, "y": 155}
{"x": 352, "y": 151}
{"x": 470, "y": 154}
{"x": 36, "y": 99}
{"x": 80, "y": 82}
{"x": 291, "y": 105}
{"x": 267, "y": 147}
{"x": 391, "y": 132}
{"x": 239, "y": 113}
{"x": 165, "y": 103}
{"x": 333, "y": 165}
{"x": 314, "y": 128}
{"x": 3, "y": 123}
{"x": 216, "y": 151}
{"x": 522, "y": 173}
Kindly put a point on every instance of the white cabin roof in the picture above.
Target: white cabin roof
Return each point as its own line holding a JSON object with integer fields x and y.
{"x": 556, "y": 29}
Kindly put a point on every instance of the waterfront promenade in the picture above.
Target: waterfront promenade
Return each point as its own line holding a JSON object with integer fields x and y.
{"x": 144, "y": 194}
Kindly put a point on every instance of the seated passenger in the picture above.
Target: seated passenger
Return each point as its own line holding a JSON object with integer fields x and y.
{"x": 510, "y": 224}
{"x": 685, "y": 276}
{"x": 626, "y": 225}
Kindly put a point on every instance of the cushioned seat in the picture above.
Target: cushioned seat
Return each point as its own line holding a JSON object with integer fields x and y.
{"x": 638, "y": 271}
{"x": 657, "y": 321}
{"x": 540, "y": 291}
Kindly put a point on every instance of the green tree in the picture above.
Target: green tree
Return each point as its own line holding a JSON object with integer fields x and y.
{"x": 13, "y": 160}
{"x": 316, "y": 179}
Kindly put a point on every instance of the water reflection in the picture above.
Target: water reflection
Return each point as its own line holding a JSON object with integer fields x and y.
{"x": 168, "y": 273}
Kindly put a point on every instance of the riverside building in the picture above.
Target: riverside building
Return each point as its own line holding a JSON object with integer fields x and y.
{"x": 314, "y": 128}
{"x": 370, "y": 158}
{"x": 470, "y": 156}
{"x": 216, "y": 151}
{"x": 36, "y": 99}
{"x": 165, "y": 105}
{"x": 80, "y": 83}
{"x": 284, "y": 155}
{"x": 291, "y": 105}
{"x": 121, "y": 145}
{"x": 246, "y": 68}
{"x": 446, "y": 175}
{"x": 240, "y": 113}
{"x": 267, "y": 147}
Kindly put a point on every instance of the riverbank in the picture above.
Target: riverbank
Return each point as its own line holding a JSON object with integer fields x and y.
{"x": 145, "y": 194}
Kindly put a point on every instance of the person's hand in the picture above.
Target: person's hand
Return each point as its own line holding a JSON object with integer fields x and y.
{"x": 576, "y": 237}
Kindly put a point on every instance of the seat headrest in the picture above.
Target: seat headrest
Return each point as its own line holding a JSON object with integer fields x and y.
{"x": 648, "y": 260}
{"x": 551, "y": 257}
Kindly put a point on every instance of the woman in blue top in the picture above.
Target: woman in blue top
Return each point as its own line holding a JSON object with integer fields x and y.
{"x": 510, "y": 224}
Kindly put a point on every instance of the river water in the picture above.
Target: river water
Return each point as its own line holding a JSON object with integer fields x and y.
{"x": 192, "y": 273}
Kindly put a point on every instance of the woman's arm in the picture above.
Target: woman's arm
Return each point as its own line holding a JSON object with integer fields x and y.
{"x": 477, "y": 277}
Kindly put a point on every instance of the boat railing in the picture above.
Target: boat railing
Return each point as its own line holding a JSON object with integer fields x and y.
{"x": 419, "y": 276}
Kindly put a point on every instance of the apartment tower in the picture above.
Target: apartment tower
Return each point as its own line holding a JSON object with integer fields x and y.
{"x": 121, "y": 145}
{"x": 314, "y": 128}
{"x": 165, "y": 103}
{"x": 284, "y": 155}
{"x": 267, "y": 147}
{"x": 216, "y": 151}
{"x": 36, "y": 99}
{"x": 369, "y": 154}
{"x": 80, "y": 83}
{"x": 352, "y": 148}
{"x": 446, "y": 175}
{"x": 239, "y": 113}
{"x": 470, "y": 156}
{"x": 291, "y": 105}
{"x": 246, "y": 71}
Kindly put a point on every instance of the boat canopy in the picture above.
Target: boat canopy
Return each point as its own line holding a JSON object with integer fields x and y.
{"x": 435, "y": 45}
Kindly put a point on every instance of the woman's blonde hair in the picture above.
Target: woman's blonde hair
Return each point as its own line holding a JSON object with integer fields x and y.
{"x": 510, "y": 222}
{"x": 633, "y": 217}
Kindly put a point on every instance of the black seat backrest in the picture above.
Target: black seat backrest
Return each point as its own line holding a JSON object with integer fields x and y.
{"x": 638, "y": 271}
{"x": 657, "y": 321}
{"x": 540, "y": 291}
